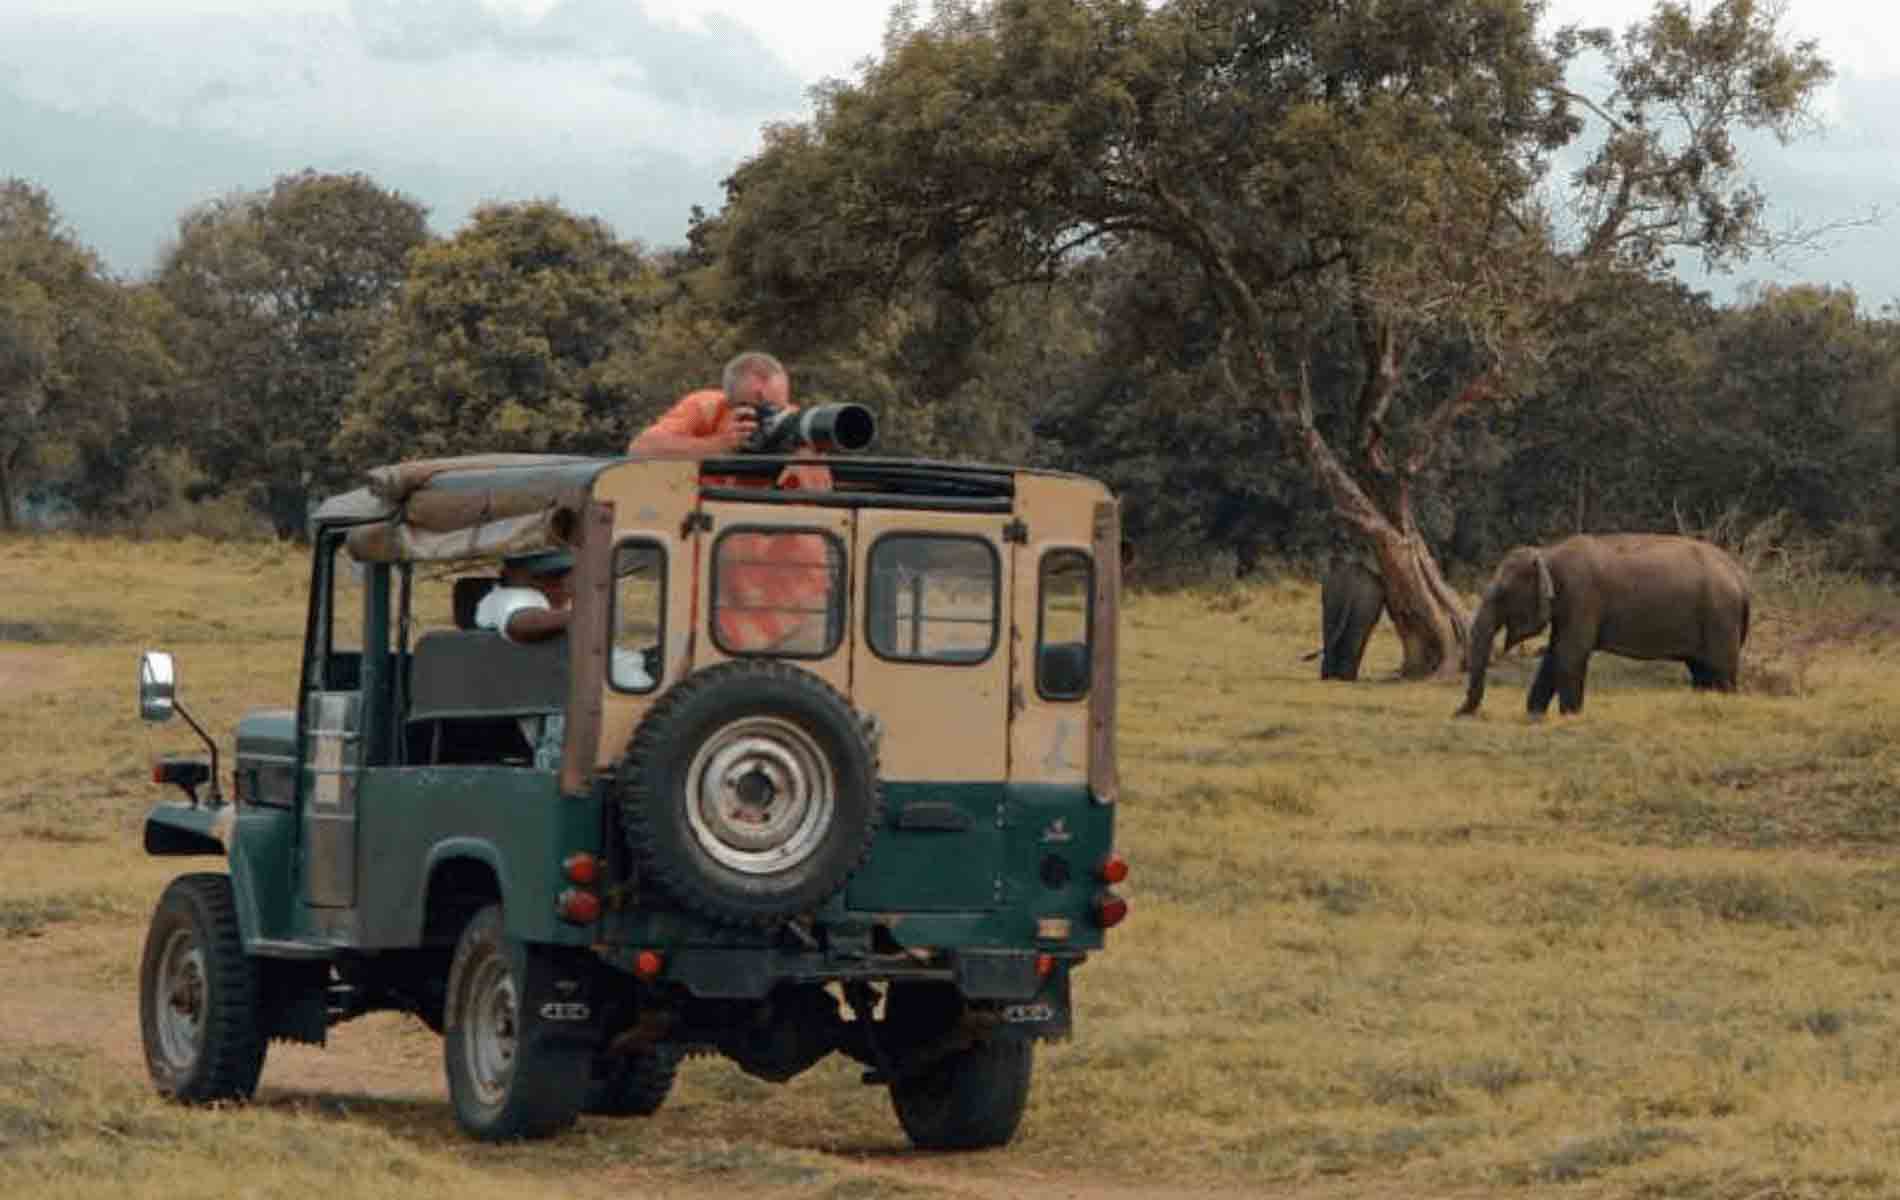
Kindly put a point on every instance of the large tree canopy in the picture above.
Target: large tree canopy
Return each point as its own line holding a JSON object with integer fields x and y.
{"x": 1360, "y": 181}
{"x": 279, "y": 295}
{"x": 520, "y": 333}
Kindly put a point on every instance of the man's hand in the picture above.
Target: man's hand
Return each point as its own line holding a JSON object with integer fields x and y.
{"x": 745, "y": 423}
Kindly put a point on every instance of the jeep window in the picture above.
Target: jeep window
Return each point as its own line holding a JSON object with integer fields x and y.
{"x": 340, "y": 623}
{"x": 638, "y": 616}
{"x": 1064, "y": 623}
{"x": 933, "y": 598}
{"x": 778, "y": 592}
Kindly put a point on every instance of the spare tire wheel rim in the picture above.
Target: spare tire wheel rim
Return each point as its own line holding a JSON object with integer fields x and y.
{"x": 760, "y": 794}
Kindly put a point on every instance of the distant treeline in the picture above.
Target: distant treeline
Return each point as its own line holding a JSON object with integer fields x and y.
{"x": 1275, "y": 299}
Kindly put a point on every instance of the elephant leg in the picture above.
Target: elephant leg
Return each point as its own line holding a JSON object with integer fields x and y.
{"x": 1570, "y": 687}
{"x": 1332, "y": 630}
{"x": 1725, "y": 672}
{"x": 1701, "y": 675}
{"x": 1330, "y": 656}
{"x": 1358, "y": 652}
{"x": 1544, "y": 685}
{"x": 1363, "y": 621}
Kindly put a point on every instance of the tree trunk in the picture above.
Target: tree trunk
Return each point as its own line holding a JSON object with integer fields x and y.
{"x": 1431, "y": 622}
{"x": 1430, "y": 619}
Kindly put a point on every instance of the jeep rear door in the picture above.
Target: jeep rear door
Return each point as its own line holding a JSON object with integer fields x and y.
{"x": 932, "y": 664}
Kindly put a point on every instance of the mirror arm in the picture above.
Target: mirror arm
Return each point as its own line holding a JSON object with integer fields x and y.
{"x": 216, "y": 797}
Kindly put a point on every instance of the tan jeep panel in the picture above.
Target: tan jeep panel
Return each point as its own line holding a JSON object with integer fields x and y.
{"x": 653, "y": 500}
{"x": 1048, "y": 739}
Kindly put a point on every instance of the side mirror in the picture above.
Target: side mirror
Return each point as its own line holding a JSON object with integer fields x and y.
{"x": 158, "y": 686}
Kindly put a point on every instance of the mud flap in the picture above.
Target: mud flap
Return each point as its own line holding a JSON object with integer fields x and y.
{"x": 1045, "y": 1017}
{"x": 558, "y": 1004}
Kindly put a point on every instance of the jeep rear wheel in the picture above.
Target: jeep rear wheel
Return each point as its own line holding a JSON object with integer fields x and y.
{"x": 198, "y": 995}
{"x": 750, "y": 792}
{"x": 507, "y": 1077}
{"x": 971, "y": 1100}
{"x": 635, "y": 1084}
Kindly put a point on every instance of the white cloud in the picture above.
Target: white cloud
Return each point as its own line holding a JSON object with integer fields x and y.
{"x": 820, "y": 41}
{"x": 632, "y": 110}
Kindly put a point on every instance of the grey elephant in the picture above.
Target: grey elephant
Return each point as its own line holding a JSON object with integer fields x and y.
{"x": 1638, "y": 595}
{"x": 1351, "y": 599}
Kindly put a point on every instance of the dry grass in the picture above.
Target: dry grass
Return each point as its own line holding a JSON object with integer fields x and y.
{"x": 1648, "y": 951}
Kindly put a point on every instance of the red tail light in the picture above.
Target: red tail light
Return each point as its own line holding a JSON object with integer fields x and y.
{"x": 1114, "y": 868}
{"x": 581, "y": 867}
{"x": 648, "y": 964}
{"x": 581, "y": 908}
{"x": 1045, "y": 963}
{"x": 1110, "y": 909}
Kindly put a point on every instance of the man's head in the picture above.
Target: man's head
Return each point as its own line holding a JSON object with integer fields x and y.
{"x": 545, "y": 570}
{"x": 755, "y": 378}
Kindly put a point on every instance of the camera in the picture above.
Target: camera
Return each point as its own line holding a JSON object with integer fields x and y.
{"x": 824, "y": 427}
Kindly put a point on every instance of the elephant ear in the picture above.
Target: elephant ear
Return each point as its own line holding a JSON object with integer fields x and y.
{"x": 1546, "y": 590}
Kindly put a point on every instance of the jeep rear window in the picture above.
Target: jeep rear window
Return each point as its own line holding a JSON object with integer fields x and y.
{"x": 777, "y": 592}
{"x": 1064, "y": 624}
{"x": 932, "y": 598}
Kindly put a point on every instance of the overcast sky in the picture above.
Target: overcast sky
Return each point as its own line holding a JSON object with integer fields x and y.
{"x": 130, "y": 111}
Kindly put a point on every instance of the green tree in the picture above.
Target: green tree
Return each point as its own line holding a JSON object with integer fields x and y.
{"x": 277, "y": 297}
{"x": 1791, "y": 415}
{"x": 1373, "y": 166}
{"x": 79, "y": 358}
{"x": 521, "y": 333}
{"x": 1604, "y": 440}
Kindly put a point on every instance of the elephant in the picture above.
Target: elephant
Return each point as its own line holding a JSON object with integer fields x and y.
{"x": 1352, "y": 597}
{"x": 1637, "y": 595}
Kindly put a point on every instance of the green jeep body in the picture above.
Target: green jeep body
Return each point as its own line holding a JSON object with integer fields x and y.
{"x": 892, "y": 839}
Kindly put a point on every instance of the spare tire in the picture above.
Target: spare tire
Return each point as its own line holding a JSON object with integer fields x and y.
{"x": 750, "y": 792}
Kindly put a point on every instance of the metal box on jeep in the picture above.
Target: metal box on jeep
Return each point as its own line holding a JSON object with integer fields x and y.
{"x": 810, "y": 771}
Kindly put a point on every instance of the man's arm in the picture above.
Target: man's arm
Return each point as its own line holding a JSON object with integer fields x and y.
{"x": 691, "y": 428}
{"x": 521, "y": 614}
{"x": 537, "y": 624}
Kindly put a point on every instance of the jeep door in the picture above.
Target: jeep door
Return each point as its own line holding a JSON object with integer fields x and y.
{"x": 932, "y": 664}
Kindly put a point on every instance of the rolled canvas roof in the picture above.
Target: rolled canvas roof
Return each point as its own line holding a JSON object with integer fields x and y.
{"x": 477, "y": 506}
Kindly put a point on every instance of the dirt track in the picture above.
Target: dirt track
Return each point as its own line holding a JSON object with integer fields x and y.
{"x": 75, "y": 986}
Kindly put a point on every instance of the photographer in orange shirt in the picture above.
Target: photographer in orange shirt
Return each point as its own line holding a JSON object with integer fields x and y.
{"x": 775, "y": 589}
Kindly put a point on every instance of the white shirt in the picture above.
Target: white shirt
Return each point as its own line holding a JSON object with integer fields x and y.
{"x": 500, "y": 605}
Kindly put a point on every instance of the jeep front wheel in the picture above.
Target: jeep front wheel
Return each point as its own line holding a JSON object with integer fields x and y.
{"x": 750, "y": 792}
{"x": 198, "y": 995}
{"x": 508, "y": 1078}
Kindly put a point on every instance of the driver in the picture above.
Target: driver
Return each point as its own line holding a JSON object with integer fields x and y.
{"x": 532, "y": 603}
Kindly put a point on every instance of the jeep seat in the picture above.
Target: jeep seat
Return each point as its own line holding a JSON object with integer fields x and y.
{"x": 469, "y": 687}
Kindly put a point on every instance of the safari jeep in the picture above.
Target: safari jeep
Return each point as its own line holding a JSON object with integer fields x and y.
{"x": 887, "y": 834}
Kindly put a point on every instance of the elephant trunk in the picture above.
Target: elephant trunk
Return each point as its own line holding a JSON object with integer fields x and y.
{"x": 1484, "y": 629}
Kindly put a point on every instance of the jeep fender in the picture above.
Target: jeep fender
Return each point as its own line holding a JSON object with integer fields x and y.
{"x": 174, "y": 829}
{"x": 444, "y": 855}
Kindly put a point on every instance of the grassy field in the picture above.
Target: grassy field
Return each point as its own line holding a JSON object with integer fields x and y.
{"x": 1648, "y": 951}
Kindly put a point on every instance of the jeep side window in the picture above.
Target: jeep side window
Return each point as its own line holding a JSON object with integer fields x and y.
{"x": 933, "y": 598}
{"x": 340, "y": 652}
{"x": 778, "y": 592}
{"x": 1064, "y": 625}
{"x": 639, "y": 617}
